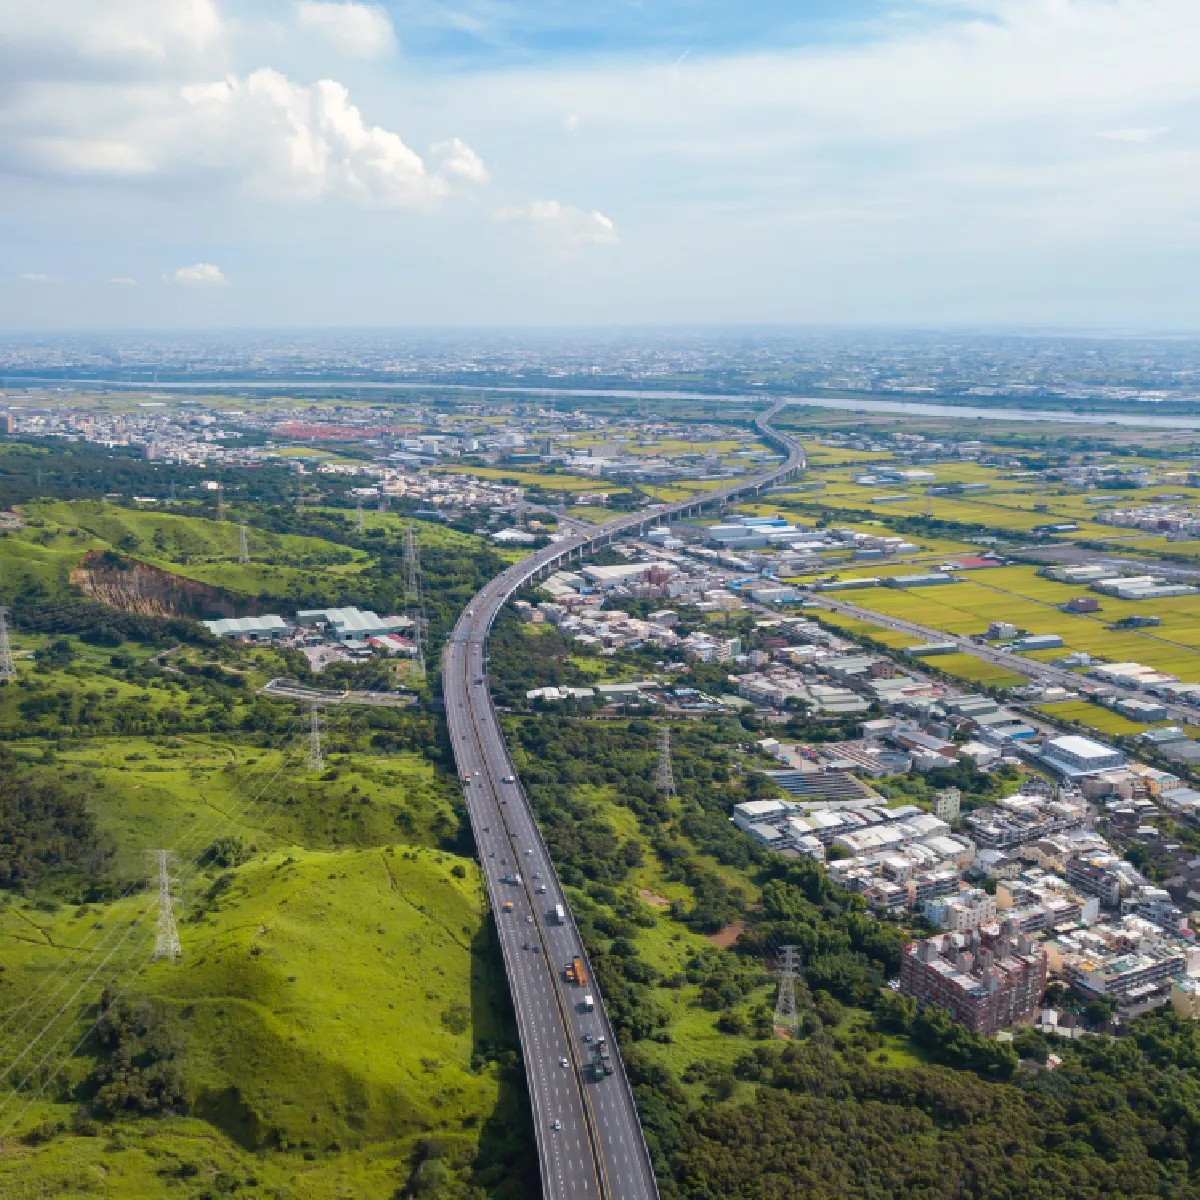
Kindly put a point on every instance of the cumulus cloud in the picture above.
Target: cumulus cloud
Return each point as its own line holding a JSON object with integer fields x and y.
{"x": 199, "y": 274}
{"x": 308, "y": 141}
{"x": 38, "y": 277}
{"x": 146, "y": 94}
{"x": 360, "y": 30}
{"x": 567, "y": 224}
{"x": 457, "y": 159}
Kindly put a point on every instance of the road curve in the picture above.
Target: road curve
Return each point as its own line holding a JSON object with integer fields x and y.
{"x": 589, "y": 1139}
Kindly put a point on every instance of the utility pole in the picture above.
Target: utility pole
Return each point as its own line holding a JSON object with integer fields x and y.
{"x": 412, "y": 596}
{"x": 664, "y": 777}
{"x": 785, "y": 1005}
{"x": 316, "y": 760}
{"x": 8, "y": 670}
{"x": 166, "y": 937}
{"x": 243, "y": 544}
{"x": 360, "y": 522}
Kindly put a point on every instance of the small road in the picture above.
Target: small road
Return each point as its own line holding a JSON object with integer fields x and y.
{"x": 282, "y": 689}
{"x": 589, "y": 1138}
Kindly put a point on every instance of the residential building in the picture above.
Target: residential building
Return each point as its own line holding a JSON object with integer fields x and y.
{"x": 984, "y": 987}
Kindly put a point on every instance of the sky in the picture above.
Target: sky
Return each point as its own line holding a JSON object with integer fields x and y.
{"x": 176, "y": 164}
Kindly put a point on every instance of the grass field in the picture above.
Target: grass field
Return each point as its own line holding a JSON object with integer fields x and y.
{"x": 331, "y": 1006}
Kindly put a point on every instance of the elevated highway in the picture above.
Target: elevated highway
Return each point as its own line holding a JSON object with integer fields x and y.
{"x": 589, "y": 1139}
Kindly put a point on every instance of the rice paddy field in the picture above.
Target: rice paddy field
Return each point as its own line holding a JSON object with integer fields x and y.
{"x": 1022, "y": 597}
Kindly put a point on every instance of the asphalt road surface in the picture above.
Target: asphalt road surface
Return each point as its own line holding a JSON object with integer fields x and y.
{"x": 589, "y": 1139}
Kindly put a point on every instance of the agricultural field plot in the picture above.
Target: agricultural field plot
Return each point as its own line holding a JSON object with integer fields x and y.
{"x": 529, "y": 479}
{"x": 967, "y": 608}
{"x": 1096, "y": 716}
{"x": 820, "y": 456}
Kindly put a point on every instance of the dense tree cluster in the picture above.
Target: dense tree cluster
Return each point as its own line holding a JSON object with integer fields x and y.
{"x": 137, "y": 1069}
{"x": 46, "y": 830}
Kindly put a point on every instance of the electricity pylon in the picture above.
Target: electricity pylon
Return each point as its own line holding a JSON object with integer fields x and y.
{"x": 166, "y": 936}
{"x": 220, "y": 502}
{"x": 8, "y": 669}
{"x": 243, "y": 544}
{"x": 360, "y": 522}
{"x": 412, "y": 596}
{"x": 785, "y": 1005}
{"x": 519, "y": 508}
{"x": 664, "y": 777}
{"x": 316, "y": 760}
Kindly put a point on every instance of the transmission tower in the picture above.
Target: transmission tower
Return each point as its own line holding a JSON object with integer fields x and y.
{"x": 166, "y": 937}
{"x": 360, "y": 522}
{"x": 220, "y": 503}
{"x": 785, "y": 1005}
{"x": 7, "y": 669}
{"x": 519, "y": 508}
{"x": 316, "y": 760}
{"x": 383, "y": 504}
{"x": 412, "y": 596}
{"x": 243, "y": 544}
{"x": 664, "y": 777}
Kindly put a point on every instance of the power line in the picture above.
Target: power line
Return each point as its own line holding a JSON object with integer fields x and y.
{"x": 664, "y": 777}
{"x": 8, "y": 670}
{"x": 785, "y": 1005}
{"x": 412, "y": 596}
{"x": 316, "y": 760}
{"x": 166, "y": 937}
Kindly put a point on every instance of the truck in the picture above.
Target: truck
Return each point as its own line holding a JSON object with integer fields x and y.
{"x": 589, "y": 1003}
{"x": 560, "y": 914}
{"x": 575, "y": 972}
{"x": 508, "y": 906}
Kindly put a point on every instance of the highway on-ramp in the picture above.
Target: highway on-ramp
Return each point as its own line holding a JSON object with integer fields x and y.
{"x": 589, "y": 1139}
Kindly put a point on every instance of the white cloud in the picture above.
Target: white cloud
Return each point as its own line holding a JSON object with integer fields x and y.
{"x": 572, "y": 122}
{"x": 123, "y": 281}
{"x": 307, "y": 141}
{"x": 568, "y": 225}
{"x": 201, "y": 273}
{"x": 38, "y": 277}
{"x": 115, "y": 38}
{"x": 1133, "y": 135}
{"x": 360, "y": 30}
{"x": 459, "y": 160}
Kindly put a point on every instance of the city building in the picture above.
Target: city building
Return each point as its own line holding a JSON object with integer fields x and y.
{"x": 986, "y": 987}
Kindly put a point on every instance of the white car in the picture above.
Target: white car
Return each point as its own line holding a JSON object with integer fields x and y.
{"x": 556, "y": 1124}
{"x": 562, "y": 1062}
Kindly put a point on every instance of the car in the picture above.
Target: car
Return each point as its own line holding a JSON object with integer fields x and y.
{"x": 537, "y": 874}
{"x": 562, "y": 1062}
{"x": 587, "y": 1035}
{"x": 529, "y": 920}
{"x": 491, "y": 854}
{"x": 556, "y": 1124}
{"x": 540, "y": 889}
{"x": 528, "y": 852}
{"x": 509, "y": 779}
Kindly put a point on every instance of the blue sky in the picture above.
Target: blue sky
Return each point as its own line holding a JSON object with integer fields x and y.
{"x": 183, "y": 163}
